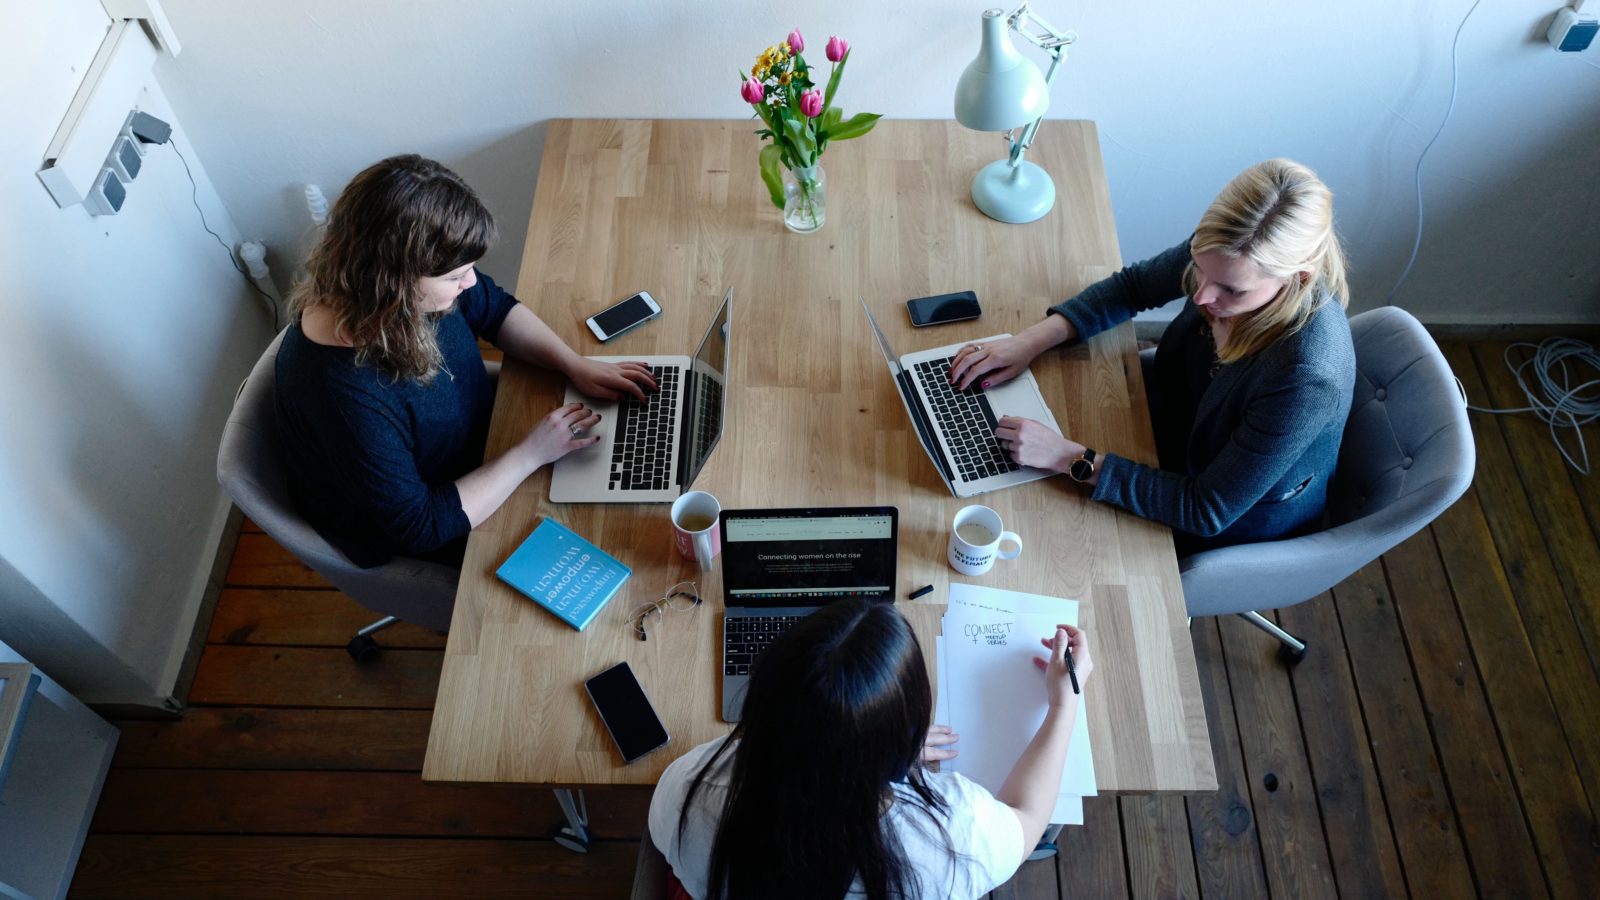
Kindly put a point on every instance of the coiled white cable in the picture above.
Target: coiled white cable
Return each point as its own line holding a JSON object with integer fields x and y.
{"x": 1558, "y": 402}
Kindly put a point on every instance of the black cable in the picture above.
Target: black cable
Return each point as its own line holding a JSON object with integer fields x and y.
{"x": 194, "y": 197}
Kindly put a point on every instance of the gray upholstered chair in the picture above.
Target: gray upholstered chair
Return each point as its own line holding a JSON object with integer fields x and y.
{"x": 248, "y": 467}
{"x": 1407, "y": 455}
{"x": 650, "y": 871}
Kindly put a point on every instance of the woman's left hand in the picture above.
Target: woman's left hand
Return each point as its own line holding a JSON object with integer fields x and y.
{"x": 610, "y": 381}
{"x": 937, "y": 745}
{"x": 1032, "y": 443}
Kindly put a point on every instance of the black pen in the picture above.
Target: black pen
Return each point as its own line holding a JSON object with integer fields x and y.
{"x": 1072, "y": 672}
{"x": 920, "y": 591}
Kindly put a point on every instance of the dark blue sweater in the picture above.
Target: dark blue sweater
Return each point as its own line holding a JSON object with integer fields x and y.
{"x": 1246, "y": 455}
{"x": 372, "y": 461}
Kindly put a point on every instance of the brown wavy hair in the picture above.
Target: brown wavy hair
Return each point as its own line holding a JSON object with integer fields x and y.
{"x": 1278, "y": 215}
{"x": 398, "y": 221}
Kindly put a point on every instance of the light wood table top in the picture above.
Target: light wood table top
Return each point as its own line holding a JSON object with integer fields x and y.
{"x": 677, "y": 208}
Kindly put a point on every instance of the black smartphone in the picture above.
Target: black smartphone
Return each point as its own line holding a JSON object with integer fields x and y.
{"x": 627, "y": 712}
{"x": 624, "y": 315}
{"x": 944, "y": 308}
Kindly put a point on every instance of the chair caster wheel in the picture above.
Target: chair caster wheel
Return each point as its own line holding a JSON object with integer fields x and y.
{"x": 1289, "y": 656}
{"x": 362, "y": 648}
{"x": 563, "y": 836}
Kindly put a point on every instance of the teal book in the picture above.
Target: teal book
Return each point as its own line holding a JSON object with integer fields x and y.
{"x": 562, "y": 572}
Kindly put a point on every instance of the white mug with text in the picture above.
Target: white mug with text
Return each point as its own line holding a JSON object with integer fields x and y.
{"x": 975, "y": 539}
{"x": 694, "y": 526}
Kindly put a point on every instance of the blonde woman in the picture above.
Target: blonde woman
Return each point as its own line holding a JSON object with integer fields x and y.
{"x": 1251, "y": 382}
{"x": 382, "y": 397}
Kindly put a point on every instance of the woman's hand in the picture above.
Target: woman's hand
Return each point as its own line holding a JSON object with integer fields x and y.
{"x": 1032, "y": 443}
{"x": 937, "y": 745}
{"x": 610, "y": 381}
{"x": 1057, "y": 677}
{"x": 561, "y": 432}
{"x": 994, "y": 363}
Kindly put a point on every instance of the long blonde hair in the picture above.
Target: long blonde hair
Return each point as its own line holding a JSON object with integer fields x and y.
{"x": 1278, "y": 215}
{"x": 398, "y": 221}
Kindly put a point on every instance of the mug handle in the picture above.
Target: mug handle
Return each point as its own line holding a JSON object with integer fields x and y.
{"x": 702, "y": 549}
{"x": 1012, "y": 537}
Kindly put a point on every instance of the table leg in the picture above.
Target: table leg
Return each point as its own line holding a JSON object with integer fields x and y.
{"x": 575, "y": 834}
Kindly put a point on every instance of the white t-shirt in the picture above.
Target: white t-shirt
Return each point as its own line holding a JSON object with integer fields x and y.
{"x": 984, "y": 833}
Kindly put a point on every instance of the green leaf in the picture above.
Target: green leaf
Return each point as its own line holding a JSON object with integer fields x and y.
{"x": 854, "y": 127}
{"x": 804, "y": 141}
{"x": 769, "y": 172}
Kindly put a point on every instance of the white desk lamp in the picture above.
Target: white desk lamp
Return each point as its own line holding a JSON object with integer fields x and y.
{"x": 1003, "y": 91}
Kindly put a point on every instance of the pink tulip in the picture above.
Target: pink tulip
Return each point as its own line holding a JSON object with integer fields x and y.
{"x": 752, "y": 91}
{"x": 811, "y": 103}
{"x": 837, "y": 48}
{"x": 797, "y": 44}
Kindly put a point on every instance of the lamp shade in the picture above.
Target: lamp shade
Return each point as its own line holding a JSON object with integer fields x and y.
{"x": 1000, "y": 90}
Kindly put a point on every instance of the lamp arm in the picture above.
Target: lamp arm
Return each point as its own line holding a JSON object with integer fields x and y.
{"x": 1051, "y": 39}
{"x": 1020, "y": 146}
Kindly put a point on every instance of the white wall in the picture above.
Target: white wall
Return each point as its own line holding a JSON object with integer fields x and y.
{"x": 1185, "y": 93}
{"x": 124, "y": 340}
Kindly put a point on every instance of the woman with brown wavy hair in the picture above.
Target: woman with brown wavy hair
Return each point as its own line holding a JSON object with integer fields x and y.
{"x": 383, "y": 401}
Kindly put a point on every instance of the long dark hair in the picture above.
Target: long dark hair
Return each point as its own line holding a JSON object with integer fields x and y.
{"x": 836, "y": 714}
{"x": 398, "y": 221}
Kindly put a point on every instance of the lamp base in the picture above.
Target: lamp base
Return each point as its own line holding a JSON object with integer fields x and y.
{"x": 1013, "y": 194}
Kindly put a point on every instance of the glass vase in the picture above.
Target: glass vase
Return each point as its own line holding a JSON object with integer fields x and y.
{"x": 805, "y": 199}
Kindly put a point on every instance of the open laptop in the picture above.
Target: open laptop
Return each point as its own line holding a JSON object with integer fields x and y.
{"x": 957, "y": 427}
{"x": 651, "y": 452}
{"x": 780, "y": 565}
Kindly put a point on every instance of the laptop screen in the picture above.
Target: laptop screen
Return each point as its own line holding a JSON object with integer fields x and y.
{"x": 807, "y": 557}
{"x": 706, "y": 398}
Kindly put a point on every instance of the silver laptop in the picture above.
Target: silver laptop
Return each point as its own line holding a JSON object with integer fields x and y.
{"x": 651, "y": 452}
{"x": 781, "y": 565}
{"x": 957, "y": 427}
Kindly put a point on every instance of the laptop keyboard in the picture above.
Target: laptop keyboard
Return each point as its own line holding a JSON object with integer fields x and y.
{"x": 641, "y": 455}
{"x": 967, "y": 421}
{"x": 744, "y": 637}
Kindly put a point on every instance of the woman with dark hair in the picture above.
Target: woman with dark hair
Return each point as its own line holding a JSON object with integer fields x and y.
{"x": 821, "y": 791}
{"x": 383, "y": 400}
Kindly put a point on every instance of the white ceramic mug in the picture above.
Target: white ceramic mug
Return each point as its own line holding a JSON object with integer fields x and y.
{"x": 694, "y": 526}
{"x": 975, "y": 539}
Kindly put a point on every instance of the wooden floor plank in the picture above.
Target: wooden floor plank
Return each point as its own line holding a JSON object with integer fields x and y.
{"x": 1424, "y": 823}
{"x": 1361, "y": 844}
{"x": 1155, "y": 834}
{"x": 1562, "y": 818}
{"x": 260, "y": 561}
{"x": 1091, "y": 865}
{"x": 206, "y": 867}
{"x": 1222, "y": 829}
{"x": 315, "y": 677}
{"x": 1294, "y": 850}
{"x": 1556, "y": 507}
{"x": 248, "y": 526}
{"x": 311, "y": 618}
{"x": 1499, "y": 848}
{"x": 1546, "y": 616}
{"x": 1036, "y": 880}
{"x": 230, "y": 737}
{"x": 211, "y": 801}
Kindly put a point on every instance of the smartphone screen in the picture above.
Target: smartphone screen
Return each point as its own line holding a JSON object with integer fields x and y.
{"x": 627, "y": 712}
{"x": 619, "y": 318}
{"x": 944, "y": 308}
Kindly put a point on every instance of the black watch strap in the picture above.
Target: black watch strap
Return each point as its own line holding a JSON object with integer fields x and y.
{"x": 1082, "y": 468}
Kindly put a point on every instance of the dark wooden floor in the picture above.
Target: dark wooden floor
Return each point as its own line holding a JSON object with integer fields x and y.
{"x": 1442, "y": 739}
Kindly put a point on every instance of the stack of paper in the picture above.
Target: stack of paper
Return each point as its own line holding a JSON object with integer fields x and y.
{"x": 992, "y": 694}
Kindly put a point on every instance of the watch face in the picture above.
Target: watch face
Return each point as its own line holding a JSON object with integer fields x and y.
{"x": 1081, "y": 470}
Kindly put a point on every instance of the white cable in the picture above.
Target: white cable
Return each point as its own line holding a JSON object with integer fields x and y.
{"x": 1562, "y": 404}
{"x": 1417, "y": 175}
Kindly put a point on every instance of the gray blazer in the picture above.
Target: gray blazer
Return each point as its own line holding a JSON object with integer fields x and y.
{"x": 1246, "y": 457}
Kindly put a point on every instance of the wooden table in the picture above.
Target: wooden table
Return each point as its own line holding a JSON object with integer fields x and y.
{"x": 677, "y": 208}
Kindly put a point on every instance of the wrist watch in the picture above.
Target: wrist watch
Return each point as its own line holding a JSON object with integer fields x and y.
{"x": 1082, "y": 468}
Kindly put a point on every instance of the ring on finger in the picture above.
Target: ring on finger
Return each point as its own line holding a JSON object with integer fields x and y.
{"x": 577, "y": 430}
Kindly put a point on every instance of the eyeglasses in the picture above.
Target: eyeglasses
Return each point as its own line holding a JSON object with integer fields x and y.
{"x": 681, "y": 597}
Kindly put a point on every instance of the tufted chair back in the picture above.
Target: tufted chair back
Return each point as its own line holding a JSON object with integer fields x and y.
{"x": 1407, "y": 454}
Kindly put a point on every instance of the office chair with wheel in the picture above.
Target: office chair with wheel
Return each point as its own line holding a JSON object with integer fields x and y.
{"x": 248, "y": 468}
{"x": 1407, "y": 454}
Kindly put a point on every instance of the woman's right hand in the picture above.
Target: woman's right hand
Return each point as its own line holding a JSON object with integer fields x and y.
{"x": 561, "y": 432}
{"x": 1058, "y": 681}
{"x": 995, "y": 362}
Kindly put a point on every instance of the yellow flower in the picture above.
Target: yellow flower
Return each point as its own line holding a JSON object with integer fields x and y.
{"x": 785, "y": 78}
